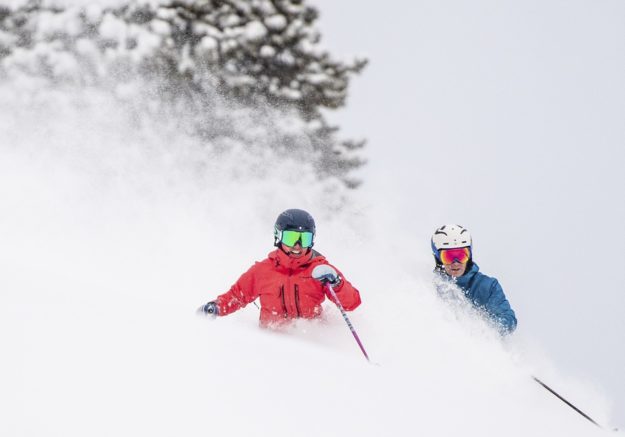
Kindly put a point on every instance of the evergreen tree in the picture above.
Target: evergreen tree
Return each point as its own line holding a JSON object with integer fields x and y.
{"x": 261, "y": 54}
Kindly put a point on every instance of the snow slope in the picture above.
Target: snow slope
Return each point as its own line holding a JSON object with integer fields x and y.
{"x": 111, "y": 237}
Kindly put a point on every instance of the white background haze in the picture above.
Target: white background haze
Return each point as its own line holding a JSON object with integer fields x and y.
{"x": 505, "y": 117}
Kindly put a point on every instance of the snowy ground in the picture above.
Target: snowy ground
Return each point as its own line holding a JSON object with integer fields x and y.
{"x": 109, "y": 242}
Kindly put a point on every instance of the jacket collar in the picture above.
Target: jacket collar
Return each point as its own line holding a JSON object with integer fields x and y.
{"x": 464, "y": 280}
{"x": 281, "y": 259}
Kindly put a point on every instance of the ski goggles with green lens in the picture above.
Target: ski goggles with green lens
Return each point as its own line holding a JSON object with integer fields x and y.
{"x": 290, "y": 238}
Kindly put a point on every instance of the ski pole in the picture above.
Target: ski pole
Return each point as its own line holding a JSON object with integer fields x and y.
{"x": 553, "y": 392}
{"x": 351, "y": 327}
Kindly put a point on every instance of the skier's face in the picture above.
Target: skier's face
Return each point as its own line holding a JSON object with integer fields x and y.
{"x": 295, "y": 251}
{"x": 455, "y": 269}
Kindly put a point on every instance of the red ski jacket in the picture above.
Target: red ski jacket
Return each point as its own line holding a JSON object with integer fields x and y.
{"x": 286, "y": 289}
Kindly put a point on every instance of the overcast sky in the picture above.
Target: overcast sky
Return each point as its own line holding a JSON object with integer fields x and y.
{"x": 505, "y": 117}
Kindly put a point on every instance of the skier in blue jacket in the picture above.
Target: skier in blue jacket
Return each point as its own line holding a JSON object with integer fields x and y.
{"x": 452, "y": 248}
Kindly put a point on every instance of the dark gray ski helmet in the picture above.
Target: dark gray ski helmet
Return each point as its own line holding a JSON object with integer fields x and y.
{"x": 293, "y": 220}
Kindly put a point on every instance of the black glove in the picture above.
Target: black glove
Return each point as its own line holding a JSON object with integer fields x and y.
{"x": 326, "y": 274}
{"x": 210, "y": 309}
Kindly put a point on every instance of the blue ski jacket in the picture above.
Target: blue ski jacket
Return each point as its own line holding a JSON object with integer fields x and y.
{"x": 486, "y": 293}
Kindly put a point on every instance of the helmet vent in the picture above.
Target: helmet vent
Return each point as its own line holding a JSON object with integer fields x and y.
{"x": 449, "y": 237}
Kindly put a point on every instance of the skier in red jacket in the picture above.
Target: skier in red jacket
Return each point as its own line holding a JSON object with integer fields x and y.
{"x": 291, "y": 281}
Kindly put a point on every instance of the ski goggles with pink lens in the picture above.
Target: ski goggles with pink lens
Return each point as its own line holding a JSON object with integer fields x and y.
{"x": 291, "y": 238}
{"x": 461, "y": 255}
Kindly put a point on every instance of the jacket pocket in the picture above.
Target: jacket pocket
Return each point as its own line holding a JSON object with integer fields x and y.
{"x": 283, "y": 301}
{"x": 297, "y": 307}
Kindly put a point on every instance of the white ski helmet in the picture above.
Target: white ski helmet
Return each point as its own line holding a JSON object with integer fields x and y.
{"x": 451, "y": 237}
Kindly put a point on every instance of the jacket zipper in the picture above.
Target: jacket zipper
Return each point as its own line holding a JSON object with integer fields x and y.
{"x": 286, "y": 313}
{"x": 297, "y": 300}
